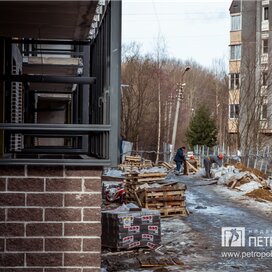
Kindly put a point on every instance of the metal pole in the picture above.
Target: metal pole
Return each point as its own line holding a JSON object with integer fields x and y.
{"x": 179, "y": 98}
{"x": 174, "y": 134}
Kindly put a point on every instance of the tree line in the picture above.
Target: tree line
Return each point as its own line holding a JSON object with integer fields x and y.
{"x": 149, "y": 95}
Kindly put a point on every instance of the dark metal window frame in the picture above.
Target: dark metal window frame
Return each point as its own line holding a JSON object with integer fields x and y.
{"x": 98, "y": 103}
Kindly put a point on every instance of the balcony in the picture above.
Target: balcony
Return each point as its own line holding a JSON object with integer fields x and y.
{"x": 265, "y": 25}
{"x": 264, "y": 58}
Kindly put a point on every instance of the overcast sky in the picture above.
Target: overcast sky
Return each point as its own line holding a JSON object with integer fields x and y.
{"x": 192, "y": 29}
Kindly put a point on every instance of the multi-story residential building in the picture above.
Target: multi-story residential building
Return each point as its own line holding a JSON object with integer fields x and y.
{"x": 250, "y": 52}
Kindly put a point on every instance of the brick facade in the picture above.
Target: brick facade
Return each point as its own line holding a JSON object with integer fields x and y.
{"x": 50, "y": 218}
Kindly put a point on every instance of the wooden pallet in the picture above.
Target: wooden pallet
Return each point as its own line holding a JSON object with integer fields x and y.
{"x": 168, "y": 199}
{"x": 181, "y": 211}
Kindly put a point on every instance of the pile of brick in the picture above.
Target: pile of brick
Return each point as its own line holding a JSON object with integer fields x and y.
{"x": 131, "y": 228}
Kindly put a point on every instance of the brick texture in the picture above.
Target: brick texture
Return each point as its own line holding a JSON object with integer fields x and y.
{"x": 92, "y": 244}
{"x": 2, "y": 184}
{"x": 12, "y": 170}
{"x": 12, "y": 229}
{"x": 91, "y": 214}
{"x": 83, "y": 171}
{"x": 22, "y": 270}
{"x": 63, "y": 244}
{"x": 26, "y": 184}
{"x": 82, "y": 200}
{"x": 25, "y": 244}
{"x": 24, "y": 214}
{"x": 81, "y": 259}
{"x": 92, "y": 185}
{"x": 11, "y": 259}
{"x": 44, "y": 229}
{"x": 45, "y": 200}
{"x": 44, "y": 259}
{"x": 82, "y": 229}
{"x": 45, "y": 171}
{"x": 2, "y": 215}
{"x": 50, "y": 219}
{"x": 62, "y": 214}
{"x": 63, "y": 270}
{"x": 64, "y": 185}
{"x": 12, "y": 199}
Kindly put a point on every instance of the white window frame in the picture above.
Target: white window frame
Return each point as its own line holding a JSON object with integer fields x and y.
{"x": 235, "y": 52}
{"x": 235, "y": 24}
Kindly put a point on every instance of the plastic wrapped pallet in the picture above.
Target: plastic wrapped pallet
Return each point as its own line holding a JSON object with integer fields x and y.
{"x": 130, "y": 227}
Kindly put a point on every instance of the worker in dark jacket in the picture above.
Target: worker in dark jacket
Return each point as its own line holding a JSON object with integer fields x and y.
{"x": 180, "y": 158}
{"x": 209, "y": 160}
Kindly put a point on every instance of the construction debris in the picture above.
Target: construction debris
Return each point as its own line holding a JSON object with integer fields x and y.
{"x": 261, "y": 194}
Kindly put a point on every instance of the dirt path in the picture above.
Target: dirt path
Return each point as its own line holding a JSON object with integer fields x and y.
{"x": 213, "y": 207}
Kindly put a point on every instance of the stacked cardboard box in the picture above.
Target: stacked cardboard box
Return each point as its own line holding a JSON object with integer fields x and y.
{"x": 131, "y": 228}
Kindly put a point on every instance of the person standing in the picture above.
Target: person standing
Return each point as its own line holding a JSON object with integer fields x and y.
{"x": 179, "y": 159}
{"x": 209, "y": 160}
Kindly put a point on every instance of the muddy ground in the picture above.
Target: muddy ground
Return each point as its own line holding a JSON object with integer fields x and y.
{"x": 193, "y": 243}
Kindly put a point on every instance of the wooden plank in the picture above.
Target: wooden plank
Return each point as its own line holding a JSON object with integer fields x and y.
{"x": 166, "y": 205}
{"x": 137, "y": 199}
{"x": 160, "y": 190}
{"x": 171, "y": 211}
{"x": 152, "y": 174}
{"x": 191, "y": 166}
{"x": 163, "y": 199}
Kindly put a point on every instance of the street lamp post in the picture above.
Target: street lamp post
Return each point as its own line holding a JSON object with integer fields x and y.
{"x": 179, "y": 99}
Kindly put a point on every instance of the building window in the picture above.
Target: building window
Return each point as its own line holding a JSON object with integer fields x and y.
{"x": 234, "y": 81}
{"x": 235, "y": 52}
{"x": 233, "y": 111}
{"x": 265, "y": 46}
{"x": 235, "y": 22}
{"x": 264, "y": 78}
{"x": 265, "y": 13}
{"x": 264, "y": 112}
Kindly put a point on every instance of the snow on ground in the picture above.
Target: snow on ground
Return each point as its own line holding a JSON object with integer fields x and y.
{"x": 248, "y": 187}
{"x": 154, "y": 169}
{"x": 119, "y": 173}
{"x": 114, "y": 173}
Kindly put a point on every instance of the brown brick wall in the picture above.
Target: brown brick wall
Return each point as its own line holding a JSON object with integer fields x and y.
{"x": 50, "y": 219}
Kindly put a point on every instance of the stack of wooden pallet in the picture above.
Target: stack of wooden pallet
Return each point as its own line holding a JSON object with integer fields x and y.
{"x": 130, "y": 163}
{"x": 169, "y": 199}
{"x": 134, "y": 180}
{"x": 146, "y": 164}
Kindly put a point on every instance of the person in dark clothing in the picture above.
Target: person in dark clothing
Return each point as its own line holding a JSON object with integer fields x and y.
{"x": 180, "y": 158}
{"x": 209, "y": 160}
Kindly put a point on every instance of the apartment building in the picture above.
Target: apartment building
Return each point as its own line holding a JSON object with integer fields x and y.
{"x": 250, "y": 52}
